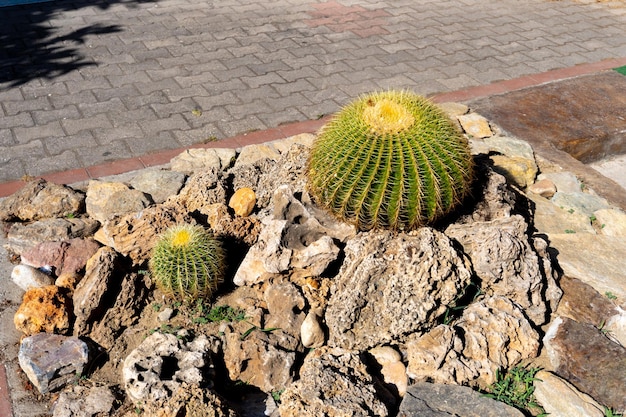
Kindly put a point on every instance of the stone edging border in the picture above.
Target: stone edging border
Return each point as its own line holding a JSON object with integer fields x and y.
{"x": 310, "y": 126}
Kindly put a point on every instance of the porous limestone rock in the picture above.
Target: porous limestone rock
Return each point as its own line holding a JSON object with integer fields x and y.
{"x": 561, "y": 399}
{"x": 193, "y": 161}
{"x": 253, "y": 153}
{"x": 27, "y": 277}
{"x": 107, "y": 199}
{"x": 391, "y": 285}
{"x": 242, "y": 201}
{"x": 158, "y": 367}
{"x": 285, "y": 304}
{"x": 159, "y": 184}
{"x": 334, "y": 383}
{"x": 589, "y": 360}
{"x": 283, "y": 145}
{"x": 201, "y": 190}
{"x": 39, "y": 200}
{"x": 45, "y": 309}
{"x": 79, "y": 401}
{"x": 225, "y": 225}
{"x": 506, "y": 263}
{"x": 22, "y": 237}
{"x": 249, "y": 175}
{"x": 258, "y": 359}
{"x": 290, "y": 169}
{"x": 491, "y": 334}
{"x": 189, "y": 400}
{"x": 424, "y": 399}
{"x": 294, "y": 236}
{"x": 134, "y": 235}
{"x": 50, "y": 361}
{"x": 494, "y": 200}
{"x": 67, "y": 257}
{"x": 496, "y": 335}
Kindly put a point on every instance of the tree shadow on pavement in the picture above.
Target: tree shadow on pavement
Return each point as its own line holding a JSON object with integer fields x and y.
{"x": 32, "y": 47}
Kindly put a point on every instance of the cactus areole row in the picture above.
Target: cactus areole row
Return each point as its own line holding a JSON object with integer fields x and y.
{"x": 390, "y": 160}
{"x": 187, "y": 262}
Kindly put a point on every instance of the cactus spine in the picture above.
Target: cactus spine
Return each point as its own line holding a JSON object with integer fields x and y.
{"x": 391, "y": 159}
{"x": 187, "y": 262}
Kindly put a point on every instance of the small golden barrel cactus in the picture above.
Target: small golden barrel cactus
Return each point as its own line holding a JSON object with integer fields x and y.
{"x": 187, "y": 262}
{"x": 391, "y": 159}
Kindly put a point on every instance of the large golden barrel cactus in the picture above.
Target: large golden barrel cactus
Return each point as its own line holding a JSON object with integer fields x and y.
{"x": 187, "y": 262}
{"x": 391, "y": 159}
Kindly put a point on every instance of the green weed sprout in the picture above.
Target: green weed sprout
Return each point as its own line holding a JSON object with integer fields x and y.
{"x": 391, "y": 159}
{"x": 516, "y": 388}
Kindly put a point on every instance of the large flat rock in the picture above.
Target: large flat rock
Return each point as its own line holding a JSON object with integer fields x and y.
{"x": 595, "y": 259}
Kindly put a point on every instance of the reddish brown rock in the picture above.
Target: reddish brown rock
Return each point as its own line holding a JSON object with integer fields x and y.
{"x": 589, "y": 360}
{"x": 23, "y": 236}
{"x": 66, "y": 257}
{"x": 581, "y": 302}
{"x": 45, "y": 309}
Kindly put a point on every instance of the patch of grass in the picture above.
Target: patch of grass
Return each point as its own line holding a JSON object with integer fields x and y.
{"x": 610, "y": 295}
{"x": 253, "y": 328}
{"x": 218, "y": 314}
{"x": 515, "y": 388}
{"x": 570, "y": 231}
{"x": 276, "y": 395}
{"x": 608, "y": 412}
{"x": 166, "y": 328}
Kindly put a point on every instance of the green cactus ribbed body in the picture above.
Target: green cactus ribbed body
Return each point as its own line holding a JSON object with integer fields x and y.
{"x": 187, "y": 262}
{"x": 390, "y": 159}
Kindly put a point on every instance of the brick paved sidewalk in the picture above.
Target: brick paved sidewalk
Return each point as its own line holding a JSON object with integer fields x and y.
{"x": 87, "y": 82}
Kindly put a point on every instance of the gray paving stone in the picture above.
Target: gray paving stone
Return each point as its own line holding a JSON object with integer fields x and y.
{"x": 73, "y": 126}
{"x": 11, "y": 108}
{"x": 59, "y": 144}
{"x": 11, "y": 168}
{"x": 115, "y": 104}
{"x": 6, "y": 138}
{"x": 99, "y": 154}
{"x": 24, "y": 135}
{"x": 253, "y": 65}
{"x": 23, "y": 119}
